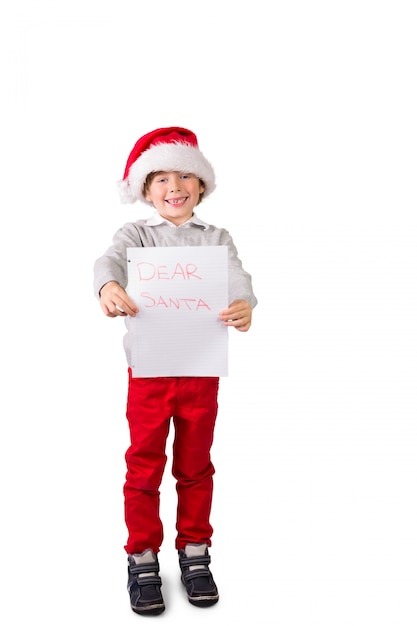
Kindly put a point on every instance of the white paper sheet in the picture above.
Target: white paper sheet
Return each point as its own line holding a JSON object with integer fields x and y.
{"x": 180, "y": 292}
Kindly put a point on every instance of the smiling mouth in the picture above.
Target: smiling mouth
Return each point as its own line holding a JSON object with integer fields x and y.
{"x": 176, "y": 201}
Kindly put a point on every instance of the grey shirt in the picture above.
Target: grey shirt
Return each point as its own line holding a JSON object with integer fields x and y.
{"x": 157, "y": 231}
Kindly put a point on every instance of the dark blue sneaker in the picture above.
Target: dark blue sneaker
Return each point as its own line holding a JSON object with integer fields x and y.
{"x": 196, "y": 575}
{"x": 144, "y": 584}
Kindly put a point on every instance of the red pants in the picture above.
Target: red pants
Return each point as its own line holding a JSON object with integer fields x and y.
{"x": 151, "y": 402}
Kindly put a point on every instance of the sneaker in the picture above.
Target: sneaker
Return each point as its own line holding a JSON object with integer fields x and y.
{"x": 144, "y": 584}
{"x": 196, "y": 576}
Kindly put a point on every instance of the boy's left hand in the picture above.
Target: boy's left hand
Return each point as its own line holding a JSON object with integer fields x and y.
{"x": 239, "y": 315}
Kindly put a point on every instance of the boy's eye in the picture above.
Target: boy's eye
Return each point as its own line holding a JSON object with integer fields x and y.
{"x": 164, "y": 179}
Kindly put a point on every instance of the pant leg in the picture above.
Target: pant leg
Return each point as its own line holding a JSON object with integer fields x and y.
{"x": 192, "y": 468}
{"x": 150, "y": 406}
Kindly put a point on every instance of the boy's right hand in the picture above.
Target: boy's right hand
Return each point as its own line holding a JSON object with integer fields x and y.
{"x": 114, "y": 301}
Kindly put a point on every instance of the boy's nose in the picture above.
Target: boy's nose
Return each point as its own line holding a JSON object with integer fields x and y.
{"x": 175, "y": 184}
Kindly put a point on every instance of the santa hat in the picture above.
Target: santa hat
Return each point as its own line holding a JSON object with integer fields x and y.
{"x": 171, "y": 149}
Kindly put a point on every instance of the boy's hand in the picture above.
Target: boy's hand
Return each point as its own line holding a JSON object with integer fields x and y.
{"x": 114, "y": 301}
{"x": 239, "y": 315}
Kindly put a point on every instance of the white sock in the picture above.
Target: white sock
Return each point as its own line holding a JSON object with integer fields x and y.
{"x": 195, "y": 549}
{"x": 147, "y": 556}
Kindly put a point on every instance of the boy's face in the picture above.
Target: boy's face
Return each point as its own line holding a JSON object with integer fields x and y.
{"x": 174, "y": 195}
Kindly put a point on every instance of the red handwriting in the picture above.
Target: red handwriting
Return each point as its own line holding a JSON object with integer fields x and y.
{"x": 192, "y": 304}
{"x": 148, "y": 271}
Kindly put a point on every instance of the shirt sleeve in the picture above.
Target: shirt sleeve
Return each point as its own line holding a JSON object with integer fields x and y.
{"x": 113, "y": 264}
{"x": 240, "y": 281}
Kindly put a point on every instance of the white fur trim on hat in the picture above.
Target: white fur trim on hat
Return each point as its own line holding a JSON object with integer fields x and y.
{"x": 166, "y": 157}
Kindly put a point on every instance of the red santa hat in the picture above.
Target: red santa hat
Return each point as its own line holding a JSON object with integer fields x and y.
{"x": 171, "y": 149}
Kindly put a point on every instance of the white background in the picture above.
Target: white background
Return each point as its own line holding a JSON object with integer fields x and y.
{"x": 307, "y": 110}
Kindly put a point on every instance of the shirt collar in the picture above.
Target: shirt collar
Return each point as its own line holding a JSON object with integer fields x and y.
{"x": 156, "y": 220}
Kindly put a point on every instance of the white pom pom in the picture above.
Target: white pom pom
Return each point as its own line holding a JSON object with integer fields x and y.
{"x": 125, "y": 192}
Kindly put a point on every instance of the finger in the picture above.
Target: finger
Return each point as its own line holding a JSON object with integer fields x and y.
{"x": 128, "y": 307}
{"x": 243, "y": 329}
{"x": 107, "y": 311}
{"x": 235, "y": 322}
{"x": 237, "y": 313}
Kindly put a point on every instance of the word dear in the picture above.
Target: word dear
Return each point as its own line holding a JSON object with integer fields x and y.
{"x": 149, "y": 271}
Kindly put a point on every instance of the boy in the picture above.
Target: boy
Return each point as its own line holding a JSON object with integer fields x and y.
{"x": 167, "y": 170}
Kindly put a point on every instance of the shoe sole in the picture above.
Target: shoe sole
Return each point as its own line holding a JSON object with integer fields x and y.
{"x": 153, "y": 609}
{"x": 203, "y": 602}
